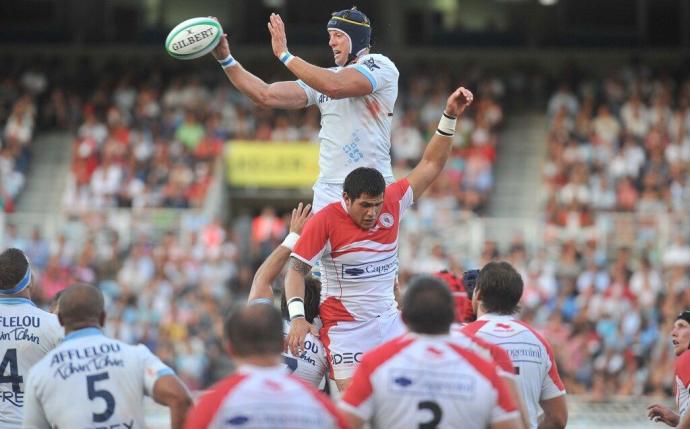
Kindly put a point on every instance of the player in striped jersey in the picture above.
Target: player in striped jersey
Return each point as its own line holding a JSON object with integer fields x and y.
{"x": 261, "y": 394}
{"x": 495, "y": 301}
{"x": 425, "y": 378}
{"x": 356, "y": 240}
{"x": 680, "y": 337}
{"x": 27, "y": 333}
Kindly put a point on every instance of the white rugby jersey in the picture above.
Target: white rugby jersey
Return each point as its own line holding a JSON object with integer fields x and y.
{"x": 356, "y": 131}
{"x": 27, "y": 333}
{"x": 683, "y": 383}
{"x": 263, "y": 398}
{"x": 90, "y": 381}
{"x": 537, "y": 374}
{"x": 358, "y": 267}
{"x": 311, "y": 365}
{"x": 427, "y": 381}
{"x": 485, "y": 349}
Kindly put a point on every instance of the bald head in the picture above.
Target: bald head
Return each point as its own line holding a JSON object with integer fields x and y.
{"x": 256, "y": 330}
{"x": 81, "y": 306}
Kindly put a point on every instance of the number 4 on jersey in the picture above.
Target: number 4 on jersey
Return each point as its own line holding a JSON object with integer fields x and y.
{"x": 10, "y": 361}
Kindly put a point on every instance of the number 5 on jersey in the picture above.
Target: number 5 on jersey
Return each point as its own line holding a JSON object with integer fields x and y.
{"x": 94, "y": 393}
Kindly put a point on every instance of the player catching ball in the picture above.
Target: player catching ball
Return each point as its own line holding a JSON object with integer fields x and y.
{"x": 356, "y": 98}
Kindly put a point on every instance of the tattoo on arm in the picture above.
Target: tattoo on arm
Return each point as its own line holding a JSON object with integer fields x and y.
{"x": 299, "y": 266}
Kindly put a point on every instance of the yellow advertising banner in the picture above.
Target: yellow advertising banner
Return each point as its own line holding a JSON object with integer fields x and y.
{"x": 272, "y": 164}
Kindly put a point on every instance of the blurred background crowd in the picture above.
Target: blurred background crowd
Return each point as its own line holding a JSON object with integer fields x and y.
{"x": 618, "y": 151}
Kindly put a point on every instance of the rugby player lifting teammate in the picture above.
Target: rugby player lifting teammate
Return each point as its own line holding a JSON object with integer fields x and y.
{"x": 356, "y": 98}
{"x": 356, "y": 240}
{"x": 27, "y": 333}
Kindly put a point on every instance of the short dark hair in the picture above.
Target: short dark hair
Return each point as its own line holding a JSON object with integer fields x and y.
{"x": 428, "y": 306}
{"x": 13, "y": 265}
{"x": 364, "y": 180}
{"x": 500, "y": 288}
{"x": 255, "y": 330}
{"x": 312, "y": 297}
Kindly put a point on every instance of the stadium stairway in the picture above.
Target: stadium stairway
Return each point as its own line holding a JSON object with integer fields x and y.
{"x": 40, "y": 203}
{"x": 516, "y": 201}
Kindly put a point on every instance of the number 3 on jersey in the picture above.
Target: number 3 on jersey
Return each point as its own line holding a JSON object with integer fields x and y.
{"x": 436, "y": 414}
{"x": 9, "y": 361}
{"x": 94, "y": 393}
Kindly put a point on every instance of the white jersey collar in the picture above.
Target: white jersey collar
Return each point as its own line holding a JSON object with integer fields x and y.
{"x": 499, "y": 317}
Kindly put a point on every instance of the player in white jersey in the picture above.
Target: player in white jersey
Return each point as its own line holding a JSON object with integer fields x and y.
{"x": 92, "y": 381}
{"x": 495, "y": 301}
{"x": 311, "y": 365}
{"x": 680, "y": 337}
{"x": 356, "y": 98}
{"x": 261, "y": 394}
{"x": 356, "y": 240}
{"x": 27, "y": 333}
{"x": 426, "y": 378}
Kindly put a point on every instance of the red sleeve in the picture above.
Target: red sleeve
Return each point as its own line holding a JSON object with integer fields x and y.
{"x": 313, "y": 239}
{"x": 498, "y": 354}
{"x": 201, "y": 415}
{"x": 553, "y": 371}
{"x": 683, "y": 368}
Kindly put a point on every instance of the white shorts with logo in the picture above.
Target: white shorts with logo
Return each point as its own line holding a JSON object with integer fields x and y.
{"x": 327, "y": 193}
{"x": 346, "y": 342}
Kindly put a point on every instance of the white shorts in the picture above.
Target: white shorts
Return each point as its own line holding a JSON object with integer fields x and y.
{"x": 346, "y": 342}
{"x": 326, "y": 193}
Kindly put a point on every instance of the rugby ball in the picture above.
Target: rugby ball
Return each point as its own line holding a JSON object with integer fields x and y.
{"x": 193, "y": 38}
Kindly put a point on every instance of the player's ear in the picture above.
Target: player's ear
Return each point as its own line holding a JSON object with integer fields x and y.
{"x": 101, "y": 319}
{"x": 229, "y": 348}
{"x": 62, "y": 322}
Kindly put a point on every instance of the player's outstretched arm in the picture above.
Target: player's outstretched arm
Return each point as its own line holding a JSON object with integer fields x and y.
{"x": 281, "y": 95}
{"x": 171, "y": 392}
{"x": 438, "y": 150}
{"x": 660, "y": 413}
{"x": 345, "y": 83}
{"x": 273, "y": 265}
{"x": 555, "y": 413}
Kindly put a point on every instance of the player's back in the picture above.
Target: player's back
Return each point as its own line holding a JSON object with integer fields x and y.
{"x": 428, "y": 381}
{"x": 27, "y": 333}
{"x": 311, "y": 365}
{"x": 537, "y": 374}
{"x": 266, "y": 398}
{"x": 91, "y": 380}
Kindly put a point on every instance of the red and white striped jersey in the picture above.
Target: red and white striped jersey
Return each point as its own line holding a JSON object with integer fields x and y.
{"x": 358, "y": 267}
{"x": 265, "y": 398}
{"x": 427, "y": 381}
{"x": 532, "y": 356}
{"x": 683, "y": 383}
{"x": 485, "y": 349}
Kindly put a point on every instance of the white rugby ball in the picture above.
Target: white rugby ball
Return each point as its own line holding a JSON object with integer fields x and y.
{"x": 193, "y": 38}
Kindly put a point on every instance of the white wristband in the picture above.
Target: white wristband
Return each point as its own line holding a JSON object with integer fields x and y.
{"x": 228, "y": 61}
{"x": 290, "y": 240}
{"x": 446, "y": 126}
{"x": 295, "y": 308}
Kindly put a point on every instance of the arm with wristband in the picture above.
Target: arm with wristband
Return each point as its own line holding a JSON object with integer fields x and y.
{"x": 347, "y": 82}
{"x": 438, "y": 150}
{"x": 282, "y": 95}
{"x": 273, "y": 265}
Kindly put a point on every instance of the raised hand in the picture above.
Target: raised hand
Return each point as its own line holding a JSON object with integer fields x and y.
{"x": 458, "y": 101}
{"x": 278, "y": 38}
{"x": 300, "y": 216}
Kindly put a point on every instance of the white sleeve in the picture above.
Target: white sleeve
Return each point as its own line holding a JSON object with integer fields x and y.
{"x": 153, "y": 368}
{"x": 380, "y": 71}
{"x": 312, "y": 94}
{"x": 34, "y": 417}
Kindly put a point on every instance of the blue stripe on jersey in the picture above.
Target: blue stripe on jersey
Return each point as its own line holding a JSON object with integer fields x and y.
{"x": 365, "y": 71}
{"x": 163, "y": 372}
{"x": 84, "y": 332}
{"x": 16, "y": 300}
